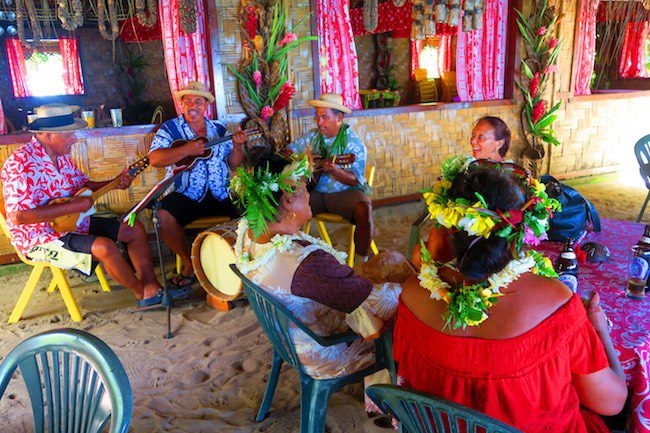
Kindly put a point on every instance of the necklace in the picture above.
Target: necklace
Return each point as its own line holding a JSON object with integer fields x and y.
{"x": 279, "y": 244}
{"x": 467, "y": 304}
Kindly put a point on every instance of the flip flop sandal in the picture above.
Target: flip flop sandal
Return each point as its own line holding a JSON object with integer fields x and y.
{"x": 150, "y": 302}
{"x": 178, "y": 294}
{"x": 180, "y": 281}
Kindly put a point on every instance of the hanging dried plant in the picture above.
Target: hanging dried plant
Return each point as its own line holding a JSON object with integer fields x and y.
{"x": 187, "y": 12}
{"x": 148, "y": 18}
{"x": 370, "y": 14}
{"x": 399, "y": 3}
{"x": 26, "y": 7}
{"x": 70, "y": 14}
{"x": 102, "y": 19}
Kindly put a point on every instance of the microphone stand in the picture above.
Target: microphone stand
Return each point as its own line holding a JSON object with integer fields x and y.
{"x": 166, "y": 300}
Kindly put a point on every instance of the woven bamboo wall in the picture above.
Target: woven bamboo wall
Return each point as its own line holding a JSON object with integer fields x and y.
{"x": 103, "y": 158}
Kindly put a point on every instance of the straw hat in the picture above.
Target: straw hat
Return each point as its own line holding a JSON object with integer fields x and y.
{"x": 330, "y": 100}
{"x": 56, "y": 118}
{"x": 195, "y": 88}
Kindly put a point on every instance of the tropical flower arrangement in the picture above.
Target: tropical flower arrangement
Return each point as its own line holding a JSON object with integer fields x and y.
{"x": 542, "y": 49}
{"x": 468, "y": 303}
{"x": 253, "y": 189}
{"x": 264, "y": 88}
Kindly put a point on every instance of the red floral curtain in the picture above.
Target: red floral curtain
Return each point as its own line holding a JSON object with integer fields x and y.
{"x": 186, "y": 56}
{"x": 16, "y": 58}
{"x": 72, "y": 79}
{"x": 481, "y": 56}
{"x": 585, "y": 46}
{"x": 339, "y": 70}
{"x": 3, "y": 124}
{"x": 633, "y": 57}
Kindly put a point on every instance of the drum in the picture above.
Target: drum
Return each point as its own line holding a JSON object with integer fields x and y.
{"x": 212, "y": 255}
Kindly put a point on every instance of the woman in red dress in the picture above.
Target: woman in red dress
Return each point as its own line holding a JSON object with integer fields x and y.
{"x": 541, "y": 362}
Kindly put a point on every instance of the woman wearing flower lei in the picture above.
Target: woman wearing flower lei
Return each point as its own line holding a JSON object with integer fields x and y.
{"x": 304, "y": 273}
{"x": 492, "y": 329}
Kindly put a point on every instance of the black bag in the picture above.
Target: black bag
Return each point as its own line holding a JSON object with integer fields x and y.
{"x": 577, "y": 211}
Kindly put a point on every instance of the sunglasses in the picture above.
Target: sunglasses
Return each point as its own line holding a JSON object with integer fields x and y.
{"x": 506, "y": 167}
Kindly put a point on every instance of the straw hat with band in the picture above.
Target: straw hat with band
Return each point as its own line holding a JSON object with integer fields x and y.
{"x": 56, "y": 118}
{"x": 195, "y": 88}
{"x": 330, "y": 100}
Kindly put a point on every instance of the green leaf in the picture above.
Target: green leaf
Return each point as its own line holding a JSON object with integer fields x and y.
{"x": 481, "y": 199}
{"x": 527, "y": 70}
{"x": 545, "y": 121}
{"x": 524, "y": 33}
{"x": 425, "y": 254}
{"x": 523, "y": 90}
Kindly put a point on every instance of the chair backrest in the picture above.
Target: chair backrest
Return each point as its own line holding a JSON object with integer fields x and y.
{"x": 424, "y": 413}
{"x": 74, "y": 380}
{"x": 642, "y": 151}
{"x": 370, "y": 174}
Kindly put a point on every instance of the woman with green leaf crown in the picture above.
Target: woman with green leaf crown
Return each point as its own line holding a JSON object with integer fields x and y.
{"x": 308, "y": 276}
{"x": 492, "y": 329}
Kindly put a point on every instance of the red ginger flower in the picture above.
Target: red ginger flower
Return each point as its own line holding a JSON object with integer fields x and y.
{"x": 251, "y": 22}
{"x": 534, "y": 85}
{"x": 538, "y": 111}
{"x": 541, "y": 31}
{"x": 266, "y": 112}
{"x": 552, "y": 44}
{"x": 286, "y": 93}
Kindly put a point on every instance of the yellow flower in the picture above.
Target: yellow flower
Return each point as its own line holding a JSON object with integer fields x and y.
{"x": 441, "y": 186}
{"x": 452, "y": 215}
{"x": 538, "y": 186}
{"x": 435, "y": 209}
{"x": 482, "y": 226}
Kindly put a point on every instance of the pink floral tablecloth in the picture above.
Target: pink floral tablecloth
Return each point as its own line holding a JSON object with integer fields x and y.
{"x": 631, "y": 318}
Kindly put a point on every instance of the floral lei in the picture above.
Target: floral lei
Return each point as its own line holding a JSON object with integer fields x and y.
{"x": 280, "y": 244}
{"x": 254, "y": 190}
{"x": 468, "y": 303}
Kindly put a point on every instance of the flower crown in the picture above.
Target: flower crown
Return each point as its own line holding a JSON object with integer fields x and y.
{"x": 254, "y": 190}
{"x": 468, "y": 303}
{"x": 524, "y": 226}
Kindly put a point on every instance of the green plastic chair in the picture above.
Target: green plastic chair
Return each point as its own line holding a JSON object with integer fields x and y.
{"x": 419, "y": 412}
{"x": 642, "y": 152}
{"x": 275, "y": 319}
{"x": 74, "y": 380}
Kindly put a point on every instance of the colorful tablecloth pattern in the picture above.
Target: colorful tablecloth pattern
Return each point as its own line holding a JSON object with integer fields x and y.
{"x": 631, "y": 318}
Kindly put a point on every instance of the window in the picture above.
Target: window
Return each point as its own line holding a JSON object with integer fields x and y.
{"x": 42, "y": 68}
{"x": 52, "y": 68}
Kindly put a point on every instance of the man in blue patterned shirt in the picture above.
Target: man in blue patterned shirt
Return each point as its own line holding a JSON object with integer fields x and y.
{"x": 339, "y": 191}
{"x": 203, "y": 190}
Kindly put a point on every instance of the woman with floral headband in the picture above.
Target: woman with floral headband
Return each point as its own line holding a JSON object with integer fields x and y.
{"x": 491, "y": 329}
{"x": 304, "y": 273}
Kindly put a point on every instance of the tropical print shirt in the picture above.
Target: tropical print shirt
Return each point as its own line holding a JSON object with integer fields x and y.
{"x": 327, "y": 184}
{"x": 29, "y": 180}
{"x": 209, "y": 175}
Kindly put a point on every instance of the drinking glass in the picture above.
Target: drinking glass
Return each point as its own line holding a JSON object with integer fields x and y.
{"x": 89, "y": 117}
{"x": 116, "y": 117}
{"x": 638, "y": 267}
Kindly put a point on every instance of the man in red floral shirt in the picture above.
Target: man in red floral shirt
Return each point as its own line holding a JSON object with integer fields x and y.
{"x": 42, "y": 171}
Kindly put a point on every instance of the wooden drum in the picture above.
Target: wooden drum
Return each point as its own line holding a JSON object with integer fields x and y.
{"x": 212, "y": 255}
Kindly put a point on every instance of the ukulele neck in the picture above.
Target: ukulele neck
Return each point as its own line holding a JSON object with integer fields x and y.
{"x": 106, "y": 189}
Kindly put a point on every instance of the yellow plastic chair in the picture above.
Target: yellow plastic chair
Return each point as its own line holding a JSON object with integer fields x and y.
{"x": 58, "y": 280}
{"x": 201, "y": 223}
{"x": 323, "y": 218}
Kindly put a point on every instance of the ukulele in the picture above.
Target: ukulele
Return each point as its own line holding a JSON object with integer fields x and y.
{"x": 69, "y": 223}
{"x": 190, "y": 161}
{"x": 344, "y": 161}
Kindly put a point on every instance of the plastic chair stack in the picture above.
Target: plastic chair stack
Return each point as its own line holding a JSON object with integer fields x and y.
{"x": 419, "y": 412}
{"x": 276, "y": 321}
{"x": 75, "y": 382}
{"x": 642, "y": 151}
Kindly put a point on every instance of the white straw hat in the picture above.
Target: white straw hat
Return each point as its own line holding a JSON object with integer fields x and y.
{"x": 195, "y": 88}
{"x": 56, "y": 118}
{"x": 330, "y": 100}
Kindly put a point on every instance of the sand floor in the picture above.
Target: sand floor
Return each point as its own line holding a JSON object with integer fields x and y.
{"x": 211, "y": 376}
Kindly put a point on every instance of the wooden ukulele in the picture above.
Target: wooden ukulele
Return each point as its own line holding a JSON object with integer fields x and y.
{"x": 344, "y": 161}
{"x": 69, "y": 223}
{"x": 191, "y": 160}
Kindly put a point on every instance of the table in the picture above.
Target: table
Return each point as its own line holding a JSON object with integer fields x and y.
{"x": 631, "y": 318}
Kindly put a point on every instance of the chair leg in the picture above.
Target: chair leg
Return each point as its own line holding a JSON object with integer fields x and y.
{"x": 265, "y": 407}
{"x": 352, "y": 248}
{"x": 322, "y": 231}
{"x": 313, "y": 404}
{"x": 306, "y": 227}
{"x": 52, "y": 287}
{"x": 27, "y": 292}
{"x": 645, "y": 203}
{"x": 66, "y": 294}
{"x": 179, "y": 264}
{"x": 101, "y": 277}
{"x": 373, "y": 247}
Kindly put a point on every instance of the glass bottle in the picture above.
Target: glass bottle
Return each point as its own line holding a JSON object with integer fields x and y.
{"x": 567, "y": 267}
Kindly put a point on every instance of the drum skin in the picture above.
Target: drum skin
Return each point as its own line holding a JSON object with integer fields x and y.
{"x": 212, "y": 254}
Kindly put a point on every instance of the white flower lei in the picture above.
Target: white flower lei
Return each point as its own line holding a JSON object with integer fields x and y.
{"x": 439, "y": 289}
{"x": 280, "y": 244}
